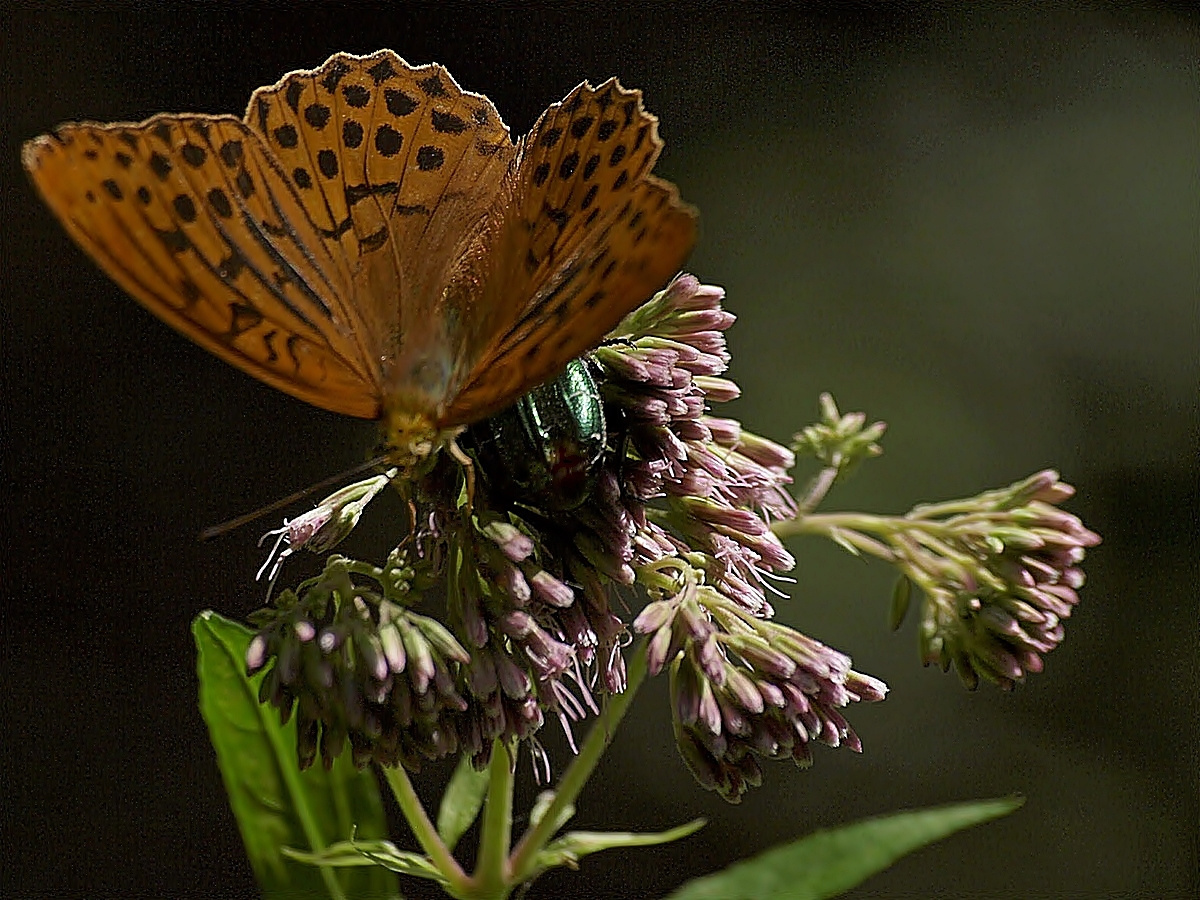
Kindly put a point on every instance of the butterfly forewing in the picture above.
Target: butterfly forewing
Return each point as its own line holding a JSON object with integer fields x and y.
{"x": 589, "y": 235}
{"x": 189, "y": 215}
{"x": 399, "y": 168}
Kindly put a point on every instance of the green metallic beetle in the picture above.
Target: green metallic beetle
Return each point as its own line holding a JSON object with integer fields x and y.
{"x": 544, "y": 450}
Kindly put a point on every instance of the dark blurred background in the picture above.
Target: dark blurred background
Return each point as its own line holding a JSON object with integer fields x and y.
{"x": 978, "y": 223}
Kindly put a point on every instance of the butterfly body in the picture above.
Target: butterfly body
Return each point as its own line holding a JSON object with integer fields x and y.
{"x": 369, "y": 239}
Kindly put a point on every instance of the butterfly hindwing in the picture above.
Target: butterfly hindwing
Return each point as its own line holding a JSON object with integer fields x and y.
{"x": 588, "y": 236}
{"x": 192, "y": 217}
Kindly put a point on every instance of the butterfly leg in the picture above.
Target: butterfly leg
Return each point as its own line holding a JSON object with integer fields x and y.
{"x": 469, "y": 470}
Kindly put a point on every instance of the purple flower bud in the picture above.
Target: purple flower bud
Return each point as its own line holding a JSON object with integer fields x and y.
{"x": 1043, "y": 486}
{"x": 687, "y": 293}
{"x": 512, "y": 582}
{"x": 693, "y": 431}
{"x": 737, "y": 521}
{"x": 514, "y": 682}
{"x": 765, "y": 452}
{"x": 256, "y": 654}
{"x": 650, "y": 408}
{"x": 550, "y": 590}
{"x": 1057, "y": 598}
{"x": 708, "y": 713}
{"x": 771, "y": 694}
{"x": 743, "y": 690}
{"x": 655, "y": 615}
{"x": 713, "y": 464}
{"x": 420, "y": 660}
{"x": 763, "y": 657}
{"x": 330, "y": 639}
{"x": 710, "y": 659}
{"x": 687, "y": 687}
{"x": 997, "y": 620}
{"x": 393, "y": 648}
{"x": 683, "y": 325}
{"x": 474, "y": 624}
{"x": 440, "y": 638}
{"x": 690, "y": 483}
{"x": 726, "y": 432}
{"x": 714, "y": 363}
{"x": 770, "y": 550}
{"x": 511, "y": 541}
{"x": 866, "y": 688}
{"x": 733, "y": 721}
{"x": 659, "y": 651}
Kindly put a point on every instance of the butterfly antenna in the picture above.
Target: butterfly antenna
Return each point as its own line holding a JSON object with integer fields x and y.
{"x": 217, "y": 530}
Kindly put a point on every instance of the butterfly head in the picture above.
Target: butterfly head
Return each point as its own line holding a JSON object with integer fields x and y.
{"x": 411, "y": 437}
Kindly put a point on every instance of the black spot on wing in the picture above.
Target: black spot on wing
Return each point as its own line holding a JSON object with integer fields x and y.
{"x": 382, "y": 71}
{"x": 356, "y": 95}
{"x": 398, "y": 103}
{"x": 292, "y": 95}
{"x": 336, "y": 73}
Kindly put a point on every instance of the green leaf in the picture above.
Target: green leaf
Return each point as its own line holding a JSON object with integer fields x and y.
{"x": 461, "y": 802}
{"x": 838, "y": 536}
{"x": 541, "y": 806}
{"x": 575, "y": 845}
{"x": 353, "y": 854}
{"x": 275, "y": 804}
{"x": 901, "y": 597}
{"x": 826, "y": 863}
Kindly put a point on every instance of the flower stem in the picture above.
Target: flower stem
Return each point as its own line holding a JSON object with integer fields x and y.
{"x": 523, "y": 863}
{"x": 848, "y": 528}
{"x": 423, "y": 829}
{"x": 492, "y": 871}
{"x": 817, "y": 489}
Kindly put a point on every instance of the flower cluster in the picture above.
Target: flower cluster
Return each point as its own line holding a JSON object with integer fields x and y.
{"x": 744, "y": 687}
{"x": 999, "y": 578}
{"x": 998, "y": 571}
{"x": 677, "y": 501}
{"x": 719, "y": 485}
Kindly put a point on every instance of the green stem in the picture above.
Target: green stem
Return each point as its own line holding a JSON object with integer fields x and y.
{"x": 423, "y": 829}
{"x": 817, "y": 489}
{"x": 492, "y": 873}
{"x": 851, "y": 528}
{"x": 822, "y": 523}
{"x": 523, "y": 863}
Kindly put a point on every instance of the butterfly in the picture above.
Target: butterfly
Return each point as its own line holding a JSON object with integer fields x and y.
{"x": 369, "y": 239}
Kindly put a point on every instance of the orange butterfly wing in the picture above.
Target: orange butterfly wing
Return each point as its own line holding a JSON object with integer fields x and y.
{"x": 369, "y": 237}
{"x": 193, "y": 218}
{"x": 400, "y": 170}
{"x": 588, "y": 236}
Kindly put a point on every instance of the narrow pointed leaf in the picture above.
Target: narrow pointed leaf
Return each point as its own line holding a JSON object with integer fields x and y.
{"x": 901, "y": 597}
{"x": 461, "y": 802}
{"x": 575, "y": 845}
{"x": 827, "y": 863}
{"x": 354, "y": 854}
{"x": 542, "y": 804}
{"x": 839, "y": 538}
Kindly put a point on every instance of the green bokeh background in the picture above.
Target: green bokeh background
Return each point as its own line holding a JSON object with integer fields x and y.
{"x": 977, "y": 223}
